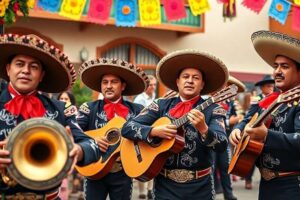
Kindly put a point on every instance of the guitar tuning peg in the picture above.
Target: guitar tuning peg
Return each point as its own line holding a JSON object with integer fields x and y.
{"x": 289, "y": 105}
{"x": 296, "y": 103}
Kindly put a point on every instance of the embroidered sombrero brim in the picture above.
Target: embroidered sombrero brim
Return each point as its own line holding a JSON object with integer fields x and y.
{"x": 91, "y": 73}
{"x": 214, "y": 70}
{"x": 238, "y": 83}
{"x": 60, "y": 74}
{"x": 271, "y": 44}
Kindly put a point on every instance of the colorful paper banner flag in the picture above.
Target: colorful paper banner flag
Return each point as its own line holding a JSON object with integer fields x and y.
{"x": 150, "y": 12}
{"x": 297, "y": 2}
{"x": 199, "y": 7}
{"x": 99, "y": 11}
{"x": 254, "y": 5}
{"x": 50, "y": 5}
{"x": 279, "y": 10}
{"x": 126, "y": 12}
{"x": 296, "y": 18}
{"x": 72, "y": 8}
{"x": 229, "y": 9}
{"x": 174, "y": 9}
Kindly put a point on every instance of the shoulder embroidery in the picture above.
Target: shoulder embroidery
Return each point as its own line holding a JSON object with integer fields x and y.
{"x": 219, "y": 111}
{"x": 70, "y": 110}
{"x": 153, "y": 106}
{"x": 84, "y": 108}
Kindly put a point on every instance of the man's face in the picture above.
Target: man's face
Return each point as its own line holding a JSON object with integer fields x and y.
{"x": 112, "y": 87}
{"x": 152, "y": 87}
{"x": 190, "y": 83}
{"x": 285, "y": 73}
{"x": 25, "y": 73}
{"x": 267, "y": 88}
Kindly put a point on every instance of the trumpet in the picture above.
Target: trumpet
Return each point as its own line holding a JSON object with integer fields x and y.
{"x": 39, "y": 149}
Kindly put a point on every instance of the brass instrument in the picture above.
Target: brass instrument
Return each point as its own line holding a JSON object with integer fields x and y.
{"x": 39, "y": 149}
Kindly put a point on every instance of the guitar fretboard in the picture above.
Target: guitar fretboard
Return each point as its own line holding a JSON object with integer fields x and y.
{"x": 183, "y": 120}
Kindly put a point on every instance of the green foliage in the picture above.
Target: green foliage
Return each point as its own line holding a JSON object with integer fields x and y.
{"x": 10, "y": 8}
{"x": 81, "y": 93}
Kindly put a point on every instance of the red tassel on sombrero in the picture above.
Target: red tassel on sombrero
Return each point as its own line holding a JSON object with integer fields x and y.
{"x": 26, "y": 105}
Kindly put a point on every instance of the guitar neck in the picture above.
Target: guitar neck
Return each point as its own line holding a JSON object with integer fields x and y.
{"x": 183, "y": 120}
{"x": 265, "y": 114}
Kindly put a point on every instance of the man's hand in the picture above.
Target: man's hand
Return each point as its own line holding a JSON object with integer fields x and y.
{"x": 4, "y": 161}
{"x": 258, "y": 133}
{"x": 235, "y": 136}
{"x": 165, "y": 131}
{"x": 102, "y": 143}
{"x": 197, "y": 118}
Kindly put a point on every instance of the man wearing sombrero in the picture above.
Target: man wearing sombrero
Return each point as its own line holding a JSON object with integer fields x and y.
{"x": 29, "y": 64}
{"x": 113, "y": 78}
{"x": 221, "y": 159}
{"x": 192, "y": 74}
{"x": 279, "y": 162}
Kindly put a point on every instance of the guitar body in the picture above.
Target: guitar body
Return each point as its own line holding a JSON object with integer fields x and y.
{"x": 143, "y": 161}
{"x": 112, "y": 132}
{"x": 245, "y": 154}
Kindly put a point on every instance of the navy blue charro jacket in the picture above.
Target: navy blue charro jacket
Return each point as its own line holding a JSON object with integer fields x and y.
{"x": 196, "y": 154}
{"x": 55, "y": 110}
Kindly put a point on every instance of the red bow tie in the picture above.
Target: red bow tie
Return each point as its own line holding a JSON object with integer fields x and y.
{"x": 112, "y": 109}
{"x": 267, "y": 101}
{"x": 26, "y": 105}
{"x": 183, "y": 107}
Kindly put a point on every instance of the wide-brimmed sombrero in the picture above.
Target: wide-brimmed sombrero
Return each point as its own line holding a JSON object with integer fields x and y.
{"x": 271, "y": 44}
{"x": 238, "y": 83}
{"x": 214, "y": 71}
{"x": 91, "y": 73}
{"x": 266, "y": 80}
{"x": 60, "y": 74}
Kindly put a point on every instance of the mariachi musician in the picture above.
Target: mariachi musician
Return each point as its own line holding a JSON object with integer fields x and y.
{"x": 279, "y": 162}
{"x": 192, "y": 74}
{"x": 30, "y": 65}
{"x": 113, "y": 78}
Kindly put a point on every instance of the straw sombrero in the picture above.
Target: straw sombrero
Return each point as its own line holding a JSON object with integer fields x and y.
{"x": 91, "y": 73}
{"x": 60, "y": 74}
{"x": 271, "y": 44}
{"x": 238, "y": 83}
{"x": 214, "y": 70}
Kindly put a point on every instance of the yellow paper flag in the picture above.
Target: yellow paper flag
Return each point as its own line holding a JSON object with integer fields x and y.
{"x": 72, "y": 8}
{"x": 297, "y": 2}
{"x": 199, "y": 7}
{"x": 149, "y": 12}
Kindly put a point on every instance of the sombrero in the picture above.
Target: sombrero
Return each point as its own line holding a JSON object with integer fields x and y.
{"x": 267, "y": 79}
{"x": 60, "y": 74}
{"x": 214, "y": 70}
{"x": 238, "y": 83}
{"x": 92, "y": 71}
{"x": 271, "y": 44}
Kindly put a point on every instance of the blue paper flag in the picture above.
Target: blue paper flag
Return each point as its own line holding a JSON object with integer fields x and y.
{"x": 126, "y": 12}
{"x": 279, "y": 10}
{"x": 50, "y": 5}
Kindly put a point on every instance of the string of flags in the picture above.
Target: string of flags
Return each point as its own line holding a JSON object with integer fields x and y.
{"x": 147, "y": 12}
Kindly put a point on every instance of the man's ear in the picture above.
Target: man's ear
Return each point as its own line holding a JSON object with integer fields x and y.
{"x": 7, "y": 69}
{"x": 123, "y": 86}
{"x": 42, "y": 75}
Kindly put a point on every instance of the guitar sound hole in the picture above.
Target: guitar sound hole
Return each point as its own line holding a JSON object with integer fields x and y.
{"x": 113, "y": 136}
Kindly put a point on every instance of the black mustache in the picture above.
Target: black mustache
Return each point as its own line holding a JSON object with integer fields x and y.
{"x": 281, "y": 76}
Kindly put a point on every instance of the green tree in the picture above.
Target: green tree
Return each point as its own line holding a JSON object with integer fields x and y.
{"x": 82, "y": 93}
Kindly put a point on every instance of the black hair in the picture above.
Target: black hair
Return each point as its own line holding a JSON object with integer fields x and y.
{"x": 70, "y": 95}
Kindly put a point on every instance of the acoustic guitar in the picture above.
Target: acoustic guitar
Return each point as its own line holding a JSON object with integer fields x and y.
{"x": 248, "y": 150}
{"x": 144, "y": 161}
{"x": 112, "y": 132}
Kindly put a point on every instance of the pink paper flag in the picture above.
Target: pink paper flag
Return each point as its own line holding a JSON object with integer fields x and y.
{"x": 254, "y": 5}
{"x": 296, "y": 18}
{"x": 99, "y": 11}
{"x": 174, "y": 9}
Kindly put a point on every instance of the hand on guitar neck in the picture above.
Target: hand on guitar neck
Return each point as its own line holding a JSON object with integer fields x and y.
{"x": 167, "y": 131}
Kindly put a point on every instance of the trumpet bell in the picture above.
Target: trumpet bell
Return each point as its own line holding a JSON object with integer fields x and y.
{"x": 39, "y": 149}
